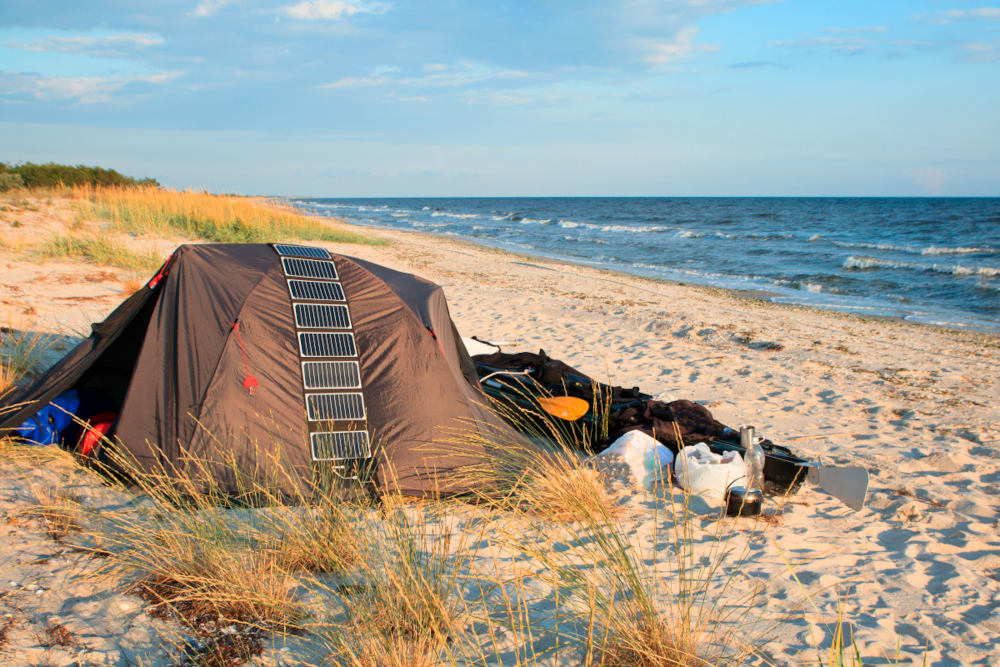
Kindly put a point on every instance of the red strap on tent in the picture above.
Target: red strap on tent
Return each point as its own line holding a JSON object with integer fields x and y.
{"x": 437, "y": 340}
{"x": 159, "y": 274}
{"x": 251, "y": 381}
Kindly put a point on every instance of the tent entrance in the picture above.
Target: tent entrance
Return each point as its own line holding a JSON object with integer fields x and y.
{"x": 112, "y": 371}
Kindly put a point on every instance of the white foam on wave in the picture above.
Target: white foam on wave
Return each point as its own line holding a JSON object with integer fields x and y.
{"x": 815, "y": 237}
{"x": 809, "y": 287}
{"x": 462, "y": 216}
{"x": 853, "y": 262}
{"x": 935, "y": 250}
{"x": 689, "y": 235}
{"x": 566, "y": 224}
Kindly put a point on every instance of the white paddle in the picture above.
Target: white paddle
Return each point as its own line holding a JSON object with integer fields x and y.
{"x": 848, "y": 484}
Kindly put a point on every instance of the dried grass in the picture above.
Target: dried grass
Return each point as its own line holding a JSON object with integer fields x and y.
{"x": 217, "y": 218}
{"x": 100, "y": 249}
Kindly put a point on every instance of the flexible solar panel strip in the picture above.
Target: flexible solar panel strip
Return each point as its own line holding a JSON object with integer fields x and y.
{"x": 335, "y": 407}
{"x": 321, "y": 316}
{"x": 315, "y": 291}
{"x": 309, "y": 268}
{"x": 327, "y": 345}
{"x": 302, "y": 251}
{"x": 340, "y": 445}
{"x": 331, "y": 375}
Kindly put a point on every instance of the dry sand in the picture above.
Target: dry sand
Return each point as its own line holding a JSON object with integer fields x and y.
{"x": 913, "y": 404}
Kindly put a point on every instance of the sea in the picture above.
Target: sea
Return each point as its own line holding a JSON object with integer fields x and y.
{"x": 933, "y": 260}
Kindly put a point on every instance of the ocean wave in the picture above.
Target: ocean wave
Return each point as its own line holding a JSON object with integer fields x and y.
{"x": 689, "y": 235}
{"x": 629, "y": 229}
{"x": 863, "y": 263}
{"x": 935, "y": 250}
{"x": 462, "y": 216}
{"x": 930, "y": 250}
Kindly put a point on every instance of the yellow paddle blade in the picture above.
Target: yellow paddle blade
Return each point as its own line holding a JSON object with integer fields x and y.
{"x": 569, "y": 408}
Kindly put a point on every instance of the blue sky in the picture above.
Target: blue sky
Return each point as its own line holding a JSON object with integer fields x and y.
{"x": 586, "y": 97}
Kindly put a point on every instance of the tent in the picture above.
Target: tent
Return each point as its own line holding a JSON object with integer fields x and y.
{"x": 265, "y": 352}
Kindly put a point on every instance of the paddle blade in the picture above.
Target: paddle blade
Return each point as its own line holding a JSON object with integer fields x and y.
{"x": 569, "y": 408}
{"x": 849, "y": 484}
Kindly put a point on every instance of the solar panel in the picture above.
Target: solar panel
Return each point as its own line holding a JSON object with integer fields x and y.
{"x": 321, "y": 316}
{"x": 340, "y": 445}
{"x": 331, "y": 375}
{"x": 327, "y": 345}
{"x": 302, "y": 251}
{"x": 315, "y": 291}
{"x": 333, "y": 407}
{"x": 309, "y": 268}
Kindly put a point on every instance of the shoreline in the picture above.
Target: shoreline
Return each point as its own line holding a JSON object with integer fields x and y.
{"x": 791, "y": 295}
{"x": 759, "y": 296}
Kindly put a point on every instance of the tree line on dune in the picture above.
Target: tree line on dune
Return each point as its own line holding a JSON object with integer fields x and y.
{"x": 50, "y": 175}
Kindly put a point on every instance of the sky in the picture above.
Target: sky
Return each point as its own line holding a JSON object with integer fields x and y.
{"x": 358, "y": 98}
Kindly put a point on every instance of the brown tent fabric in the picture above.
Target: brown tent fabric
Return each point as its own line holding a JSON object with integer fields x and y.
{"x": 178, "y": 356}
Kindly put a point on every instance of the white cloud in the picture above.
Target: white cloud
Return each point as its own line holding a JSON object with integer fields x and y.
{"x": 952, "y": 15}
{"x": 109, "y": 46}
{"x": 980, "y": 52}
{"x": 848, "y": 45}
{"x": 331, "y": 10}
{"x": 86, "y": 90}
{"x": 856, "y": 31}
{"x": 438, "y": 75}
{"x": 683, "y": 46}
{"x": 357, "y": 82}
{"x": 209, "y": 7}
{"x": 931, "y": 179}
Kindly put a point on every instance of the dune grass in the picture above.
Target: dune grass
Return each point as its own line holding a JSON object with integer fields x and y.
{"x": 21, "y": 351}
{"x": 216, "y": 218}
{"x": 99, "y": 249}
{"x": 549, "y": 570}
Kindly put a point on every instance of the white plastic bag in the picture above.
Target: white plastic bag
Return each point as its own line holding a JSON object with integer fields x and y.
{"x": 645, "y": 456}
{"x": 700, "y": 471}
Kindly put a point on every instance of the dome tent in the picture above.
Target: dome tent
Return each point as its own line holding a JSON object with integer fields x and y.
{"x": 323, "y": 360}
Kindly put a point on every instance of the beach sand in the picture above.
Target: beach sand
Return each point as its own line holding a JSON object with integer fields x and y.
{"x": 915, "y": 405}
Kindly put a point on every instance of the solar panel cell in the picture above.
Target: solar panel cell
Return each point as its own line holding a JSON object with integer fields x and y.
{"x": 331, "y": 375}
{"x": 321, "y": 316}
{"x": 335, "y": 407}
{"x": 327, "y": 345}
{"x": 309, "y": 268}
{"x": 340, "y": 446}
{"x": 302, "y": 251}
{"x": 312, "y": 290}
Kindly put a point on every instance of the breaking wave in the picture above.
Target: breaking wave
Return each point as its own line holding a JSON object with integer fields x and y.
{"x": 863, "y": 263}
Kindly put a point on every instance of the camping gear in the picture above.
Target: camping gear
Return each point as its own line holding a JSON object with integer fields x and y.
{"x": 647, "y": 458}
{"x": 517, "y": 382}
{"x": 741, "y": 501}
{"x": 700, "y": 470}
{"x": 97, "y": 429}
{"x": 291, "y": 362}
{"x": 848, "y": 484}
{"x": 475, "y": 346}
{"x": 754, "y": 459}
{"x": 569, "y": 408}
{"x": 57, "y": 422}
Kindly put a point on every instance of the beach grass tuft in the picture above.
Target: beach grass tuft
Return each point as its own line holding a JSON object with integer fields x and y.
{"x": 22, "y": 351}
{"x": 99, "y": 249}
{"x": 216, "y": 218}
